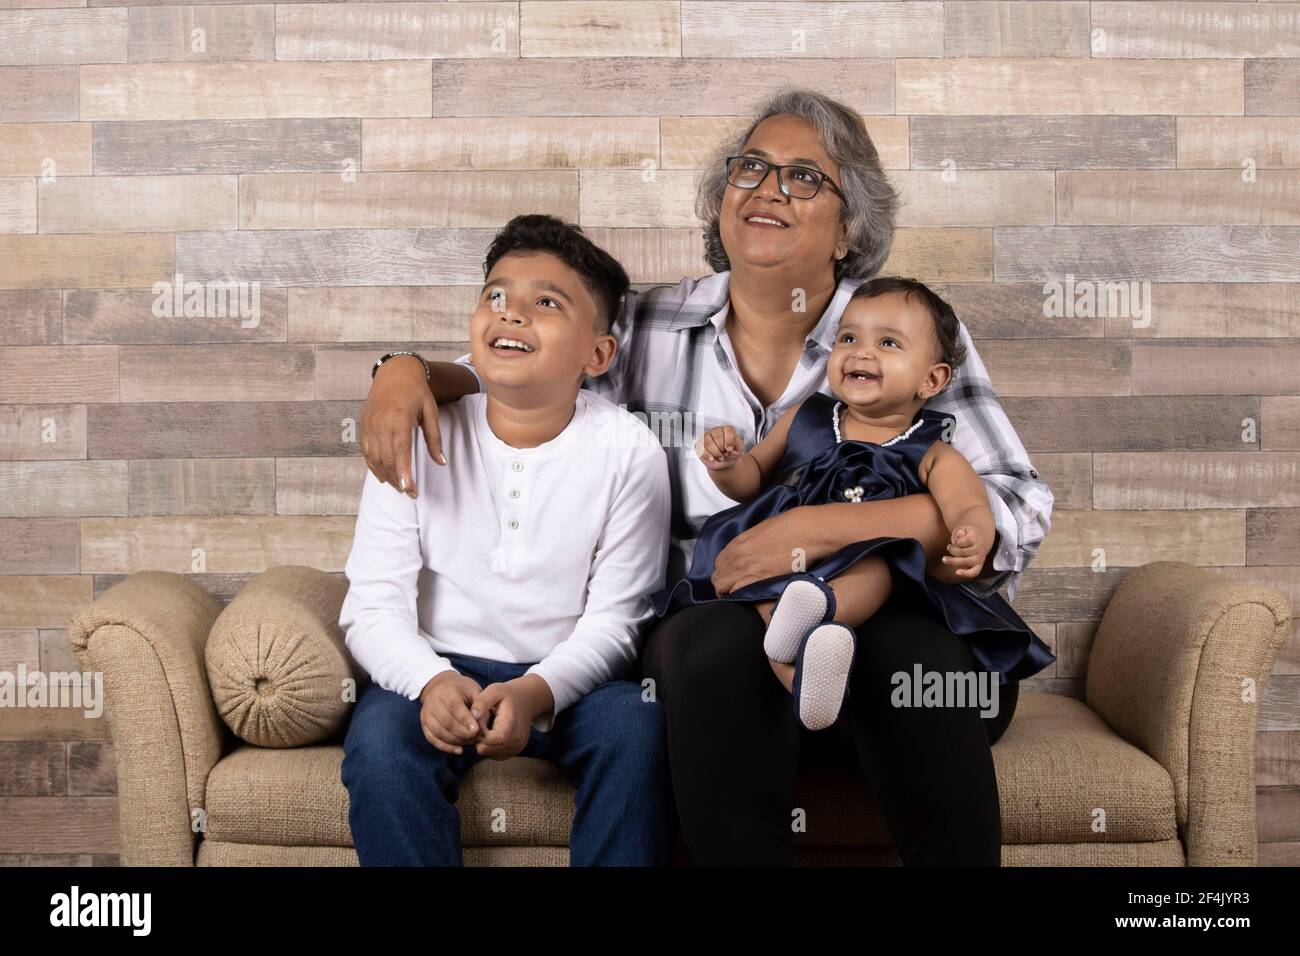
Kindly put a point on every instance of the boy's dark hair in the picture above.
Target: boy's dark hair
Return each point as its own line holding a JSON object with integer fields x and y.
{"x": 601, "y": 273}
{"x": 947, "y": 329}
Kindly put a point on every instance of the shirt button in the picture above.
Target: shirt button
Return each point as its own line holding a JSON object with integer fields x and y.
{"x": 513, "y": 524}
{"x": 514, "y": 492}
{"x": 518, "y": 466}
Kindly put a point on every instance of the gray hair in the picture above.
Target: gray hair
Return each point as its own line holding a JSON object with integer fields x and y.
{"x": 870, "y": 201}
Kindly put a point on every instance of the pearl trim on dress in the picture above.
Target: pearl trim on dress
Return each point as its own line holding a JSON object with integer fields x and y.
{"x": 835, "y": 420}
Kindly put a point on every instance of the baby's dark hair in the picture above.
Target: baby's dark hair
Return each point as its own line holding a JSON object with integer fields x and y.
{"x": 601, "y": 273}
{"x": 947, "y": 330}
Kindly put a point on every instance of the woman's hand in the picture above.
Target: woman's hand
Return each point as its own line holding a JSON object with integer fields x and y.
{"x": 399, "y": 400}
{"x": 770, "y": 548}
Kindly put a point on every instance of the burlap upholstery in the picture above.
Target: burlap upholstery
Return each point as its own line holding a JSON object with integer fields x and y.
{"x": 1167, "y": 853}
{"x": 146, "y": 635}
{"x": 280, "y": 672}
{"x": 1054, "y": 766}
{"x": 1176, "y": 647}
{"x": 295, "y": 798}
{"x": 1161, "y": 753}
{"x": 244, "y": 854}
{"x": 1161, "y": 853}
{"x": 1058, "y": 764}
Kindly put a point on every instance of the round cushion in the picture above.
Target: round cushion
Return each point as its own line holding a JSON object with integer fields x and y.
{"x": 279, "y": 670}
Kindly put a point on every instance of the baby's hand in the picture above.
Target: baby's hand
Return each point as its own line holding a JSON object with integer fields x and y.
{"x": 720, "y": 448}
{"x": 966, "y": 552}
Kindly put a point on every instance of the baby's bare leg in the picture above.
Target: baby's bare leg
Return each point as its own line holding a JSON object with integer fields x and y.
{"x": 784, "y": 673}
{"x": 861, "y": 590}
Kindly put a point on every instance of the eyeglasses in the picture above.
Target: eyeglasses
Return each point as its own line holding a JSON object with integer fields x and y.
{"x": 801, "y": 182}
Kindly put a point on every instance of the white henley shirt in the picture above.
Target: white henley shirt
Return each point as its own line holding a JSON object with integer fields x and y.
{"x": 542, "y": 555}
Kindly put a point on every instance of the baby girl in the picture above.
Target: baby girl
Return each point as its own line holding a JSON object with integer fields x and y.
{"x": 897, "y": 346}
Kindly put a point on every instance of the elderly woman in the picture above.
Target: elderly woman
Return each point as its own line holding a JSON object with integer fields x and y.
{"x": 741, "y": 347}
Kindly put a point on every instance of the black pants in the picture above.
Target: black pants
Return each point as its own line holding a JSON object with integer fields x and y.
{"x": 735, "y": 744}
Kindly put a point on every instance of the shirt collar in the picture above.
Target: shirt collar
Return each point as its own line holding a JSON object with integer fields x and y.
{"x": 706, "y": 302}
{"x": 709, "y": 302}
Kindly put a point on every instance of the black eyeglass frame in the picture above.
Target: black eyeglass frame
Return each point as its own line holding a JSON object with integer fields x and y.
{"x": 780, "y": 177}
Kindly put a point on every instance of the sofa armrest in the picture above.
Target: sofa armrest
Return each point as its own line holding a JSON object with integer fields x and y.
{"x": 1177, "y": 669}
{"x": 146, "y": 636}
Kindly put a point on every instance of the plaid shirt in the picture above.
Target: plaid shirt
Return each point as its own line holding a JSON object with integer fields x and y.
{"x": 675, "y": 369}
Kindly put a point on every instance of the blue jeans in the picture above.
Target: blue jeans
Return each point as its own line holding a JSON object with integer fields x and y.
{"x": 611, "y": 746}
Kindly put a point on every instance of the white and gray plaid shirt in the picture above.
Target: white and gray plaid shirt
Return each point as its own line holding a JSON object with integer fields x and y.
{"x": 676, "y": 371}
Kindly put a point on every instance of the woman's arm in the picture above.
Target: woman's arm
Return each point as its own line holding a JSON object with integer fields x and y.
{"x": 918, "y": 516}
{"x": 820, "y": 530}
{"x": 400, "y": 399}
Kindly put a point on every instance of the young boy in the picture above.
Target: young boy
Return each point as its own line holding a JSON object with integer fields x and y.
{"x": 497, "y": 611}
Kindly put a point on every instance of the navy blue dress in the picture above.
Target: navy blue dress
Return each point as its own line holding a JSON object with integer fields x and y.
{"x": 816, "y": 470}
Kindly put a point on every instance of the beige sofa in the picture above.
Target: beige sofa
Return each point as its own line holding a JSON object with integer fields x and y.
{"x": 1155, "y": 768}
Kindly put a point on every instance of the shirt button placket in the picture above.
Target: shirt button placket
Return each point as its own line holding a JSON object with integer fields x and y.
{"x": 509, "y": 513}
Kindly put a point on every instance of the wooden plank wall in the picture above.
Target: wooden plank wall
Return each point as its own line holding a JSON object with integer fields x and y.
{"x": 355, "y": 158}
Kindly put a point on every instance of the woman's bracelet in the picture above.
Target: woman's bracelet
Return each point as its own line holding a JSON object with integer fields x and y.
{"x": 428, "y": 374}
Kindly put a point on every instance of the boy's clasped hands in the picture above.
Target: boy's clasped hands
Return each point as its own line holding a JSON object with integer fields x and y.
{"x": 455, "y": 713}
